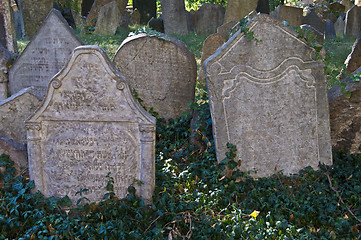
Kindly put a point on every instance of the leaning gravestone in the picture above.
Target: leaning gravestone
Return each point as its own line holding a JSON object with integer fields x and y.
{"x": 162, "y": 71}
{"x": 94, "y": 11}
{"x": 238, "y": 9}
{"x": 174, "y": 17}
{"x": 14, "y": 111}
{"x": 292, "y": 15}
{"x": 315, "y": 21}
{"x": 208, "y": 18}
{"x": 108, "y": 19}
{"x": 7, "y": 27}
{"x": 353, "y": 22}
{"x": 44, "y": 56}
{"x": 34, "y": 13}
{"x": 339, "y": 27}
{"x": 269, "y": 98}
{"x": 88, "y": 126}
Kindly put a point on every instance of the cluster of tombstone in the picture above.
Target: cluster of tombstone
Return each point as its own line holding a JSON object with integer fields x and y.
{"x": 74, "y": 112}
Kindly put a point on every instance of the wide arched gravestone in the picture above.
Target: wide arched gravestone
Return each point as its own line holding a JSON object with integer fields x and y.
{"x": 269, "y": 98}
{"x": 90, "y": 125}
{"x": 44, "y": 56}
{"x": 161, "y": 70}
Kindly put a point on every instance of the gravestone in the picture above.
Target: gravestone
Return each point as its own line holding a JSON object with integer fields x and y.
{"x": 174, "y": 17}
{"x": 124, "y": 20}
{"x": 345, "y": 115}
{"x": 34, "y": 13}
{"x": 90, "y": 125}
{"x": 348, "y": 4}
{"x": 225, "y": 29}
{"x": 7, "y": 27}
{"x": 314, "y": 20}
{"x": 210, "y": 46}
{"x": 14, "y": 111}
{"x": 269, "y": 99}
{"x": 44, "y": 56}
{"x": 311, "y": 30}
{"x": 94, "y": 11}
{"x": 108, "y": 19}
{"x": 162, "y": 71}
{"x": 238, "y": 9}
{"x": 147, "y": 9}
{"x": 208, "y": 18}
{"x": 86, "y": 5}
{"x": 330, "y": 29}
{"x": 135, "y": 17}
{"x": 5, "y": 60}
{"x": 339, "y": 27}
{"x": 292, "y": 15}
{"x": 353, "y": 22}
{"x": 353, "y": 60}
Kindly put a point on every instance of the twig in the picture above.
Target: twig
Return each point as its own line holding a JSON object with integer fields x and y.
{"x": 151, "y": 224}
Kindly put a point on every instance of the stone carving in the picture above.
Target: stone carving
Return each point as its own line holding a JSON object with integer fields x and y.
{"x": 94, "y": 11}
{"x": 89, "y": 125}
{"x": 108, "y": 19}
{"x": 34, "y": 13}
{"x": 44, "y": 56}
{"x": 174, "y": 17}
{"x": 13, "y": 113}
{"x": 269, "y": 98}
{"x": 345, "y": 116}
{"x": 7, "y": 27}
{"x": 238, "y": 9}
{"x": 353, "y": 22}
{"x": 163, "y": 72}
{"x": 208, "y": 18}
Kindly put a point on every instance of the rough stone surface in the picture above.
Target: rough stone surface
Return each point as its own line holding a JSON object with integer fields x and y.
{"x": 5, "y": 59}
{"x": 210, "y": 46}
{"x": 86, "y": 5}
{"x": 17, "y": 155}
{"x": 353, "y": 22}
{"x": 339, "y": 27}
{"x": 13, "y": 113}
{"x": 94, "y": 11}
{"x": 311, "y": 30}
{"x": 270, "y": 100}
{"x": 7, "y": 27}
{"x": 292, "y": 15}
{"x": 44, "y": 56}
{"x": 348, "y": 4}
{"x": 345, "y": 116}
{"x": 174, "y": 17}
{"x": 34, "y": 13}
{"x": 226, "y": 28}
{"x": 314, "y": 20}
{"x": 125, "y": 20}
{"x": 135, "y": 17}
{"x": 108, "y": 19}
{"x": 330, "y": 29}
{"x": 147, "y": 9}
{"x": 208, "y": 18}
{"x": 353, "y": 60}
{"x": 90, "y": 125}
{"x": 163, "y": 73}
{"x": 238, "y": 9}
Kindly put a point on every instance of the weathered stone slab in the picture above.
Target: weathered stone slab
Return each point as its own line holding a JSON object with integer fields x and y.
{"x": 311, "y": 30}
{"x": 330, "y": 29}
{"x": 135, "y": 17}
{"x": 345, "y": 116}
{"x": 226, "y": 28}
{"x": 14, "y": 111}
{"x": 163, "y": 72}
{"x": 210, "y": 46}
{"x": 339, "y": 27}
{"x": 89, "y": 125}
{"x": 44, "y": 56}
{"x": 314, "y": 20}
{"x": 5, "y": 59}
{"x": 292, "y": 15}
{"x": 348, "y": 4}
{"x": 238, "y": 9}
{"x": 94, "y": 11}
{"x": 208, "y": 18}
{"x": 174, "y": 17}
{"x": 269, "y": 98}
{"x": 353, "y": 22}
{"x": 34, "y": 13}
{"x": 7, "y": 27}
{"x": 353, "y": 60}
{"x": 108, "y": 19}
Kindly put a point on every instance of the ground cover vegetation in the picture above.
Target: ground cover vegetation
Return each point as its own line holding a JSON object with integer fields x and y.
{"x": 193, "y": 198}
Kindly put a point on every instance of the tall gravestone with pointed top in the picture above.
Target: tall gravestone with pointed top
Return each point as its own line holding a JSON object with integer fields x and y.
{"x": 90, "y": 125}
{"x": 44, "y": 56}
{"x": 174, "y": 17}
{"x": 269, "y": 98}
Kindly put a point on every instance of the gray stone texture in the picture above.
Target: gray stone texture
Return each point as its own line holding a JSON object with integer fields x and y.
{"x": 13, "y": 113}
{"x": 90, "y": 125}
{"x": 135, "y": 17}
{"x": 238, "y": 9}
{"x": 269, "y": 98}
{"x": 208, "y": 18}
{"x": 17, "y": 155}
{"x": 353, "y": 22}
{"x": 5, "y": 61}
{"x": 163, "y": 72}
{"x": 108, "y": 19}
{"x": 314, "y": 20}
{"x": 292, "y": 15}
{"x": 44, "y": 56}
{"x": 94, "y": 11}
{"x": 345, "y": 116}
{"x": 7, "y": 27}
{"x": 353, "y": 60}
{"x": 339, "y": 27}
{"x": 174, "y": 17}
{"x": 34, "y": 13}
{"x": 330, "y": 29}
{"x": 348, "y": 4}
{"x": 226, "y": 28}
